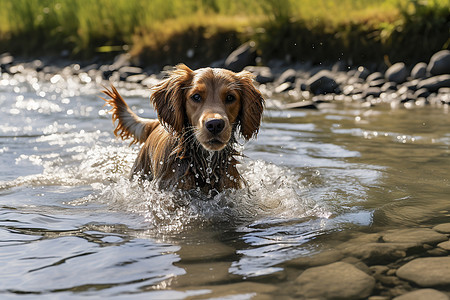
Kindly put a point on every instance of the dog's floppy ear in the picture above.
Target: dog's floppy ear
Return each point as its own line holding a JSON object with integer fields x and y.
{"x": 168, "y": 98}
{"x": 252, "y": 105}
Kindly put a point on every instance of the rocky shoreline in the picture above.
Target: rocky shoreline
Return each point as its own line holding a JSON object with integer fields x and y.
{"x": 300, "y": 85}
{"x": 400, "y": 264}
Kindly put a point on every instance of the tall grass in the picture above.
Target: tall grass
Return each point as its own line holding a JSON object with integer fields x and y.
{"x": 160, "y": 29}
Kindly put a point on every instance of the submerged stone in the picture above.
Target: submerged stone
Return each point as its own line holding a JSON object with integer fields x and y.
{"x": 423, "y": 294}
{"x": 335, "y": 281}
{"x": 414, "y": 235}
{"x": 427, "y": 272}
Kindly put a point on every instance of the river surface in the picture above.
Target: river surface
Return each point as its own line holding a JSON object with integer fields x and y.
{"x": 72, "y": 225}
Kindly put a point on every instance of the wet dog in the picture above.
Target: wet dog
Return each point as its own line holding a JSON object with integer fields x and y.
{"x": 192, "y": 143}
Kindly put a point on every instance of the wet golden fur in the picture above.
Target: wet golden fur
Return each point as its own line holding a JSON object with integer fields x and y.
{"x": 191, "y": 144}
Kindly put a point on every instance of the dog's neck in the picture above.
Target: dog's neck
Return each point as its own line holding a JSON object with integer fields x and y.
{"x": 208, "y": 170}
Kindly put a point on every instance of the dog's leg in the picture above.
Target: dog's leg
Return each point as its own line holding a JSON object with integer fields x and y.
{"x": 129, "y": 124}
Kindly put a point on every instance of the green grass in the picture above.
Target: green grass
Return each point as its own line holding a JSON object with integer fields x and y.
{"x": 163, "y": 30}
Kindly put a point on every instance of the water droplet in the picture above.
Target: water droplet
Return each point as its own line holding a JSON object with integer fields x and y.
{"x": 208, "y": 181}
{"x": 161, "y": 162}
{"x": 209, "y": 170}
{"x": 196, "y": 175}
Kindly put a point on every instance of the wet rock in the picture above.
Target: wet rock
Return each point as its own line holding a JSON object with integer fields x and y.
{"x": 422, "y": 93}
{"x": 397, "y": 73}
{"x": 362, "y": 72}
{"x": 442, "y": 228}
{"x": 388, "y": 86}
{"x": 379, "y": 269}
{"x": 439, "y": 63}
{"x": 6, "y": 59}
{"x": 335, "y": 281}
{"x": 372, "y": 91}
{"x": 374, "y": 76}
{"x": 427, "y": 272}
{"x": 419, "y": 71}
{"x": 263, "y": 75}
{"x": 290, "y": 75}
{"x": 320, "y": 259}
{"x": 301, "y": 105}
{"x": 284, "y": 87}
{"x": 433, "y": 84}
{"x": 437, "y": 252}
{"x": 417, "y": 236}
{"x": 120, "y": 61}
{"x": 243, "y": 56}
{"x": 138, "y": 78}
{"x": 322, "y": 83}
{"x": 377, "y": 83}
{"x": 227, "y": 291}
{"x": 444, "y": 245}
{"x": 378, "y": 253}
{"x": 423, "y": 294}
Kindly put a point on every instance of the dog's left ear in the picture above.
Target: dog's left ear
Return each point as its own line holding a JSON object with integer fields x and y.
{"x": 168, "y": 98}
{"x": 252, "y": 105}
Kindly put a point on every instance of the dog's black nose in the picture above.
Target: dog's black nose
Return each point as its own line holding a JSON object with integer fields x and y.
{"x": 215, "y": 126}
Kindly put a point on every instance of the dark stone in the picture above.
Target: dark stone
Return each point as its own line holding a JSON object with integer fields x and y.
{"x": 301, "y": 105}
{"x": 262, "y": 74}
{"x": 243, "y": 56}
{"x": 290, "y": 75}
{"x": 439, "y": 63}
{"x": 433, "y": 84}
{"x": 322, "y": 83}
{"x": 422, "y": 93}
{"x": 419, "y": 71}
{"x": 397, "y": 73}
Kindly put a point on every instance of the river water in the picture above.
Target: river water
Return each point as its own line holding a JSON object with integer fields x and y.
{"x": 72, "y": 224}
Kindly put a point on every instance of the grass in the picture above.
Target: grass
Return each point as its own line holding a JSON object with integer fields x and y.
{"x": 162, "y": 31}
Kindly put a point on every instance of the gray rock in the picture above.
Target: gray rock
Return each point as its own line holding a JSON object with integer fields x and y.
{"x": 444, "y": 245}
{"x": 397, "y": 73}
{"x": 378, "y": 253}
{"x": 442, "y": 228}
{"x": 427, "y": 272}
{"x": 243, "y": 56}
{"x": 377, "y": 83}
{"x": 439, "y": 63}
{"x": 287, "y": 76}
{"x": 323, "y": 258}
{"x": 362, "y": 72}
{"x": 372, "y": 91}
{"x": 389, "y": 86}
{"x": 335, "y": 281}
{"x": 433, "y": 84}
{"x": 322, "y": 83}
{"x": 423, "y": 294}
{"x": 419, "y": 71}
{"x": 422, "y": 93}
{"x": 262, "y": 74}
{"x": 418, "y": 236}
{"x": 374, "y": 76}
{"x": 6, "y": 59}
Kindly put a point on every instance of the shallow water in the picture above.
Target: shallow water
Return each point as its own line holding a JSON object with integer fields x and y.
{"x": 72, "y": 225}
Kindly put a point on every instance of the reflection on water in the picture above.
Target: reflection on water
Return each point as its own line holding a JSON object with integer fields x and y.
{"x": 72, "y": 223}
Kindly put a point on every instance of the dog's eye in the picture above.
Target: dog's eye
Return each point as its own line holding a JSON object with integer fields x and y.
{"x": 230, "y": 99}
{"x": 196, "y": 98}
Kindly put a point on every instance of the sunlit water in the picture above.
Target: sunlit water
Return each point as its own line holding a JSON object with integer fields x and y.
{"x": 72, "y": 224}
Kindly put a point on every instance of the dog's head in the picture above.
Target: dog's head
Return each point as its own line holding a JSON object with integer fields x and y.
{"x": 211, "y": 102}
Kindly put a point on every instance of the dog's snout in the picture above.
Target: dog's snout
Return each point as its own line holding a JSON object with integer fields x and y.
{"x": 215, "y": 126}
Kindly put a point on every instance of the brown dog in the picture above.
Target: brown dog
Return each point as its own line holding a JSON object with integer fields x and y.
{"x": 191, "y": 146}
